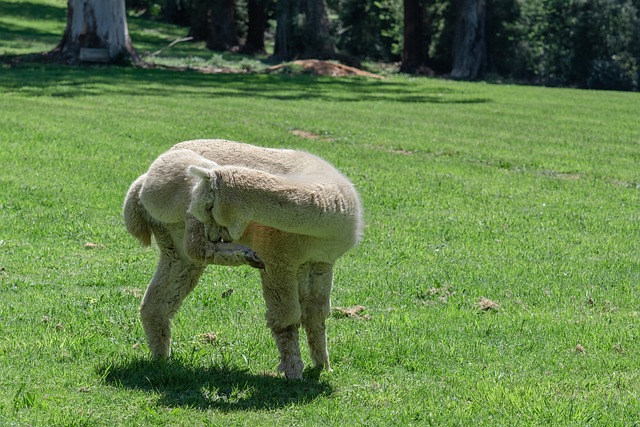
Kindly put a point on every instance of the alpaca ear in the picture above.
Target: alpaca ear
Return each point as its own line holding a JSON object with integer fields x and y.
{"x": 209, "y": 175}
{"x": 200, "y": 172}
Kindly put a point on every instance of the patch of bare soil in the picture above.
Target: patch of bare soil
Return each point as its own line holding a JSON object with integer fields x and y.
{"x": 320, "y": 68}
{"x": 309, "y": 135}
{"x": 486, "y": 304}
{"x": 351, "y": 312}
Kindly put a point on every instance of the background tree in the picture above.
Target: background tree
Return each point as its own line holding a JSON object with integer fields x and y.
{"x": 96, "y": 31}
{"x": 200, "y": 19}
{"x": 223, "y": 29}
{"x": 176, "y": 12}
{"x": 440, "y": 33}
{"x": 584, "y": 43}
{"x": 469, "y": 44}
{"x": 368, "y": 29}
{"x": 303, "y": 30}
{"x": 214, "y": 21}
{"x": 256, "y": 25}
{"x": 413, "y": 52}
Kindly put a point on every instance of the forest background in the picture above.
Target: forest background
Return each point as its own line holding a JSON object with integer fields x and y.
{"x": 581, "y": 43}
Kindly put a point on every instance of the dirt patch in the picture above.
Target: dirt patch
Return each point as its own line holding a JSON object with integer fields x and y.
{"x": 486, "y": 304}
{"x": 434, "y": 296}
{"x": 90, "y": 245}
{"x": 351, "y": 312}
{"x": 309, "y": 135}
{"x": 319, "y": 68}
{"x": 209, "y": 337}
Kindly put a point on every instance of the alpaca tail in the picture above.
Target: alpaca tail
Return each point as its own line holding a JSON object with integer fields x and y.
{"x": 136, "y": 217}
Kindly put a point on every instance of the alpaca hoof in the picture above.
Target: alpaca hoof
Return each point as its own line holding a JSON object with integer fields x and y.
{"x": 292, "y": 370}
{"x": 293, "y": 375}
{"x": 253, "y": 260}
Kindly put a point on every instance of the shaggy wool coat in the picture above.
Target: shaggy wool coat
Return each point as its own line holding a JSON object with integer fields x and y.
{"x": 286, "y": 212}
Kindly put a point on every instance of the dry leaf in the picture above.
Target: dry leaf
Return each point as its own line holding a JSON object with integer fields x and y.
{"x": 90, "y": 245}
{"x": 137, "y": 293}
{"x": 352, "y": 312}
{"x": 309, "y": 135}
{"x": 486, "y": 304}
{"x": 580, "y": 349}
{"x": 209, "y": 337}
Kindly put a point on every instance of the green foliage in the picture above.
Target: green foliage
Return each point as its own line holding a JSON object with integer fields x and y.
{"x": 369, "y": 29}
{"x": 441, "y": 18}
{"x": 576, "y": 42}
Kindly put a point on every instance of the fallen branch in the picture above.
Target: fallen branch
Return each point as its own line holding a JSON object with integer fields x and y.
{"x": 173, "y": 43}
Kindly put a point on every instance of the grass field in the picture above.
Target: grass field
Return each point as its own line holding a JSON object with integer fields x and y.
{"x": 527, "y": 198}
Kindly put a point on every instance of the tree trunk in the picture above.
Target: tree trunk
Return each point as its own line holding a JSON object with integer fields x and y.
{"x": 223, "y": 31}
{"x": 176, "y": 12}
{"x": 96, "y": 32}
{"x": 200, "y": 12}
{"x": 255, "y": 27}
{"x": 285, "y": 11}
{"x": 316, "y": 37}
{"x": 413, "y": 50}
{"x": 469, "y": 44}
{"x": 303, "y": 30}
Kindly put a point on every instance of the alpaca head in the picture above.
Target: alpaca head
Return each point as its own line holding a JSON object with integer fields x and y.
{"x": 203, "y": 203}
{"x": 202, "y": 198}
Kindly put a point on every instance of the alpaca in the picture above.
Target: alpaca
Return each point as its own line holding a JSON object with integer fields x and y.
{"x": 288, "y": 213}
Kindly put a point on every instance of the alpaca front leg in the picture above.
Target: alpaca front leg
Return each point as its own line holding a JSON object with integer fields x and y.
{"x": 280, "y": 290}
{"x": 208, "y": 247}
{"x": 173, "y": 281}
{"x": 316, "y": 305}
{"x": 288, "y": 344}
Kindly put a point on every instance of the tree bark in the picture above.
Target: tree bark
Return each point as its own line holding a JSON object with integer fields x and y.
{"x": 413, "y": 50}
{"x": 176, "y": 12}
{"x": 255, "y": 27}
{"x": 316, "y": 36}
{"x": 223, "y": 30}
{"x": 285, "y": 11}
{"x": 96, "y": 31}
{"x": 200, "y": 12}
{"x": 303, "y": 30}
{"x": 469, "y": 44}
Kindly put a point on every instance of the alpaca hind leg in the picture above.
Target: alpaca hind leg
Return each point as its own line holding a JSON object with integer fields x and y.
{"x": 280, "y": 292}
{"x": 316, "y": 305}
{"x": 173, "y": 281}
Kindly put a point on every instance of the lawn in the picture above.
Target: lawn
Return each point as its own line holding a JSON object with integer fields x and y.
{"x": 498, "y": 273}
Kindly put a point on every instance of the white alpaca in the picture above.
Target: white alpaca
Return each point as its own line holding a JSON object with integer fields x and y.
{"x": 287, "y": 212}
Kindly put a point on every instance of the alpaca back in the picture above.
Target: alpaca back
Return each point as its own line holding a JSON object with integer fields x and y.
{"x": 335, "y": 193}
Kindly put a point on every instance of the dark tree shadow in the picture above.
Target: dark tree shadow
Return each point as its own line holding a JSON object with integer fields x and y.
{"x": 32, "y": 80}
{"x": 212, "y": 387}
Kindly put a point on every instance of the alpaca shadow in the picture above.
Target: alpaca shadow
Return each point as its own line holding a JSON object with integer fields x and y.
{"x": 212, "y": 387}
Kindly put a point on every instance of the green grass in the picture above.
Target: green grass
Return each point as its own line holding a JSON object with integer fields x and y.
{"x": 529, "y": 197}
